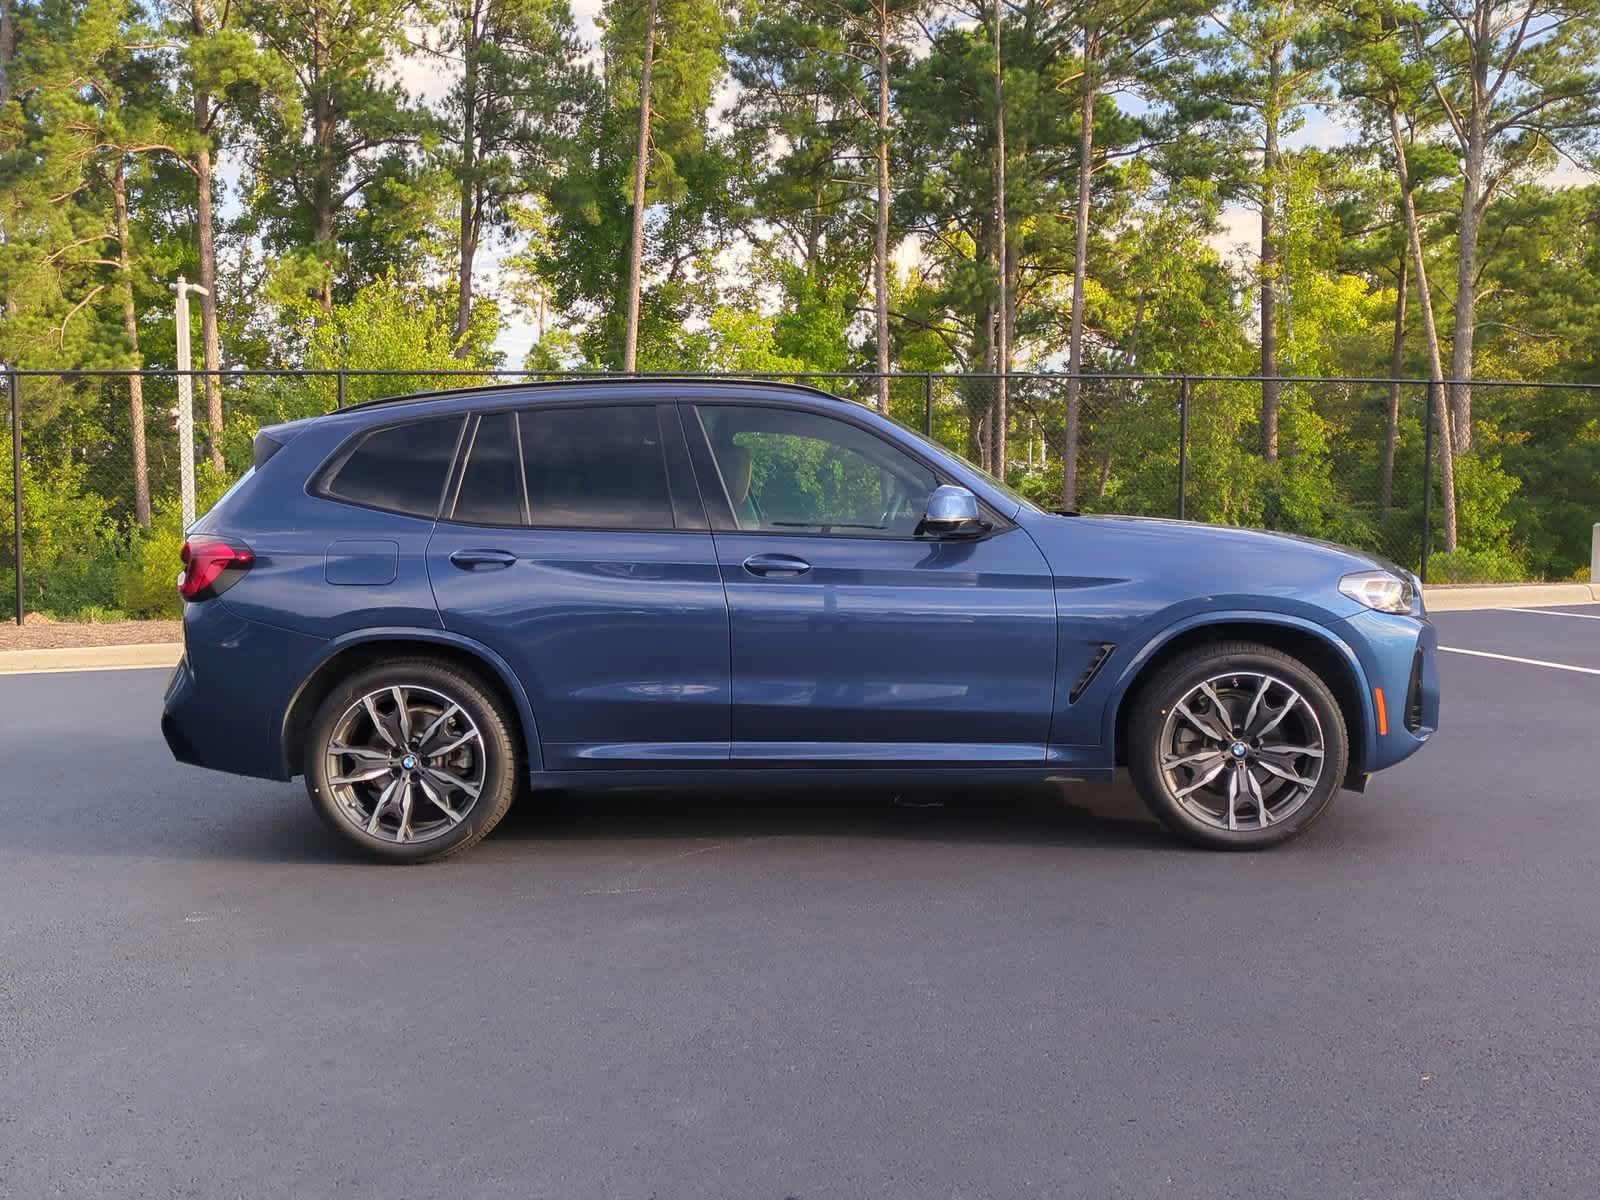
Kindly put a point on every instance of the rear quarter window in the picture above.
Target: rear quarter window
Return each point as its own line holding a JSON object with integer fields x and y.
{"x": 401, "y": 468}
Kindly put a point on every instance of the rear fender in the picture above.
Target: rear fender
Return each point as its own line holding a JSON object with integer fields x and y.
{"x": 440, "y": 637}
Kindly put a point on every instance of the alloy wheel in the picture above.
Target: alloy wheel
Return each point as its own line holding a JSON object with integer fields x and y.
{"x": 1242, "y": 750}
{"x": 405, "y": 763}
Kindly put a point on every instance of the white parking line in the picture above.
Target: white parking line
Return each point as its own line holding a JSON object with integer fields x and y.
{"x": 1551, "y": 612}
{"x": 1532, "y": 662}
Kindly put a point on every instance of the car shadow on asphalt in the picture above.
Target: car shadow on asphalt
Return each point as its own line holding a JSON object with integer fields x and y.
{"x": 1100, "y": 816}
{"x": 1088, "y": 817}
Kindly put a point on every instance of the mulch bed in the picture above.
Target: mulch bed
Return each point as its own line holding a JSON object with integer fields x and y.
{"x": 41, "y": 633}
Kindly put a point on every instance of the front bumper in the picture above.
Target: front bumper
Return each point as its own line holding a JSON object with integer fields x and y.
{"x": 1399, "y": 655}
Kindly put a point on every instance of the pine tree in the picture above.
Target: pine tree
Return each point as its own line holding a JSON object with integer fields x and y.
{"x": 1518, "y": 86}
{"x": 687, "y": 206}
{"x": 223, "y": 74}
{"x": 341, "y": 194}
{"x": 512, "y": 115}
{"x": 1271, "y": 67}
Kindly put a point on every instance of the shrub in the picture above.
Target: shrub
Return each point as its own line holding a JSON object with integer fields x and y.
{"x": 147, "y": 583}
{"x": 70, "y": 544}
{"x": 95, "y": 614}
{"x": 1499, "y": 564}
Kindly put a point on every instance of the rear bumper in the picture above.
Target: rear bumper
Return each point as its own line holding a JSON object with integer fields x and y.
{"x": 225, "y": 701}
{"x": 177, "y": 715}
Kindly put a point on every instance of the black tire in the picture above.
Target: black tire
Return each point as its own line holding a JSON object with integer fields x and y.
{"x": 1148, "y": 722}
{"x": 500, "y": 766}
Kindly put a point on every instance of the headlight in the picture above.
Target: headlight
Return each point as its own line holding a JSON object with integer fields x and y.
{"x": 1380, "y": 590}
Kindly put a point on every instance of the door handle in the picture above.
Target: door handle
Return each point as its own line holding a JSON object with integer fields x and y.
{"x": 472, "y": 560}
{"x": 776, "y": 564}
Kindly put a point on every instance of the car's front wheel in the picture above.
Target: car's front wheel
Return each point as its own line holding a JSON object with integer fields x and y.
{"x": 411, "y": 760}
{"x": 1237, "y": 746}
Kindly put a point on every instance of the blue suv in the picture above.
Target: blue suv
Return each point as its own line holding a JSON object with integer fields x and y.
{"x": 424, "y": 605}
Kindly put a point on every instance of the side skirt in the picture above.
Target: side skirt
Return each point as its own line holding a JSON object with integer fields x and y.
{"x": 835, "y": 778}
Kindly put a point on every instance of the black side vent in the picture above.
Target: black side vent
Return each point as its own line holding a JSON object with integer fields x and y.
{"x": 1089, "y": 672}
{"x": 1414, "y": 695}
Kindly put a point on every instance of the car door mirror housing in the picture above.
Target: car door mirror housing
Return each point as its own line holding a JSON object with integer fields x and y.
{"x": 952, "y": 512}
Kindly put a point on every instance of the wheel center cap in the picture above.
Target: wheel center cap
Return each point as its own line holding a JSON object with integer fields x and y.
{"x": 409, "y": 763}
{"x": 1238, "y": 750}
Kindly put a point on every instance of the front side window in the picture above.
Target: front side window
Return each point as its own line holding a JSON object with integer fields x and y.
{"x": 600, "y": 467}
{"x": 788, "y": 471}
{"x": 401, "y": 468}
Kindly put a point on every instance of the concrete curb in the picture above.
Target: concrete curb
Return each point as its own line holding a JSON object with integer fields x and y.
{"x": 90, "y": 658}
{"x": 1465, "y": 597}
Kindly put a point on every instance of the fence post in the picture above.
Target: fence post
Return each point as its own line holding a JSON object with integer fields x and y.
{"x": 341, "y": 387}
{"x": 1427, "y": 477}
{"x": 1183, "y": 448}
{"x": 12, "y": 378}
{"x": 927, "y": 403}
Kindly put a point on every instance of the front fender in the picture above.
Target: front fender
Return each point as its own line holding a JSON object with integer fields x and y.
{"x": 441, "y": 637}
{"x": 1242, "y": 616}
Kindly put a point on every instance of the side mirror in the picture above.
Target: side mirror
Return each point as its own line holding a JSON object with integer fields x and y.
{"x": 952, "y": 512}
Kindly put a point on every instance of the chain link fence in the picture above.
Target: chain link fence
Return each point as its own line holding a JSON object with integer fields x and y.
{"x": 92, "y": 514}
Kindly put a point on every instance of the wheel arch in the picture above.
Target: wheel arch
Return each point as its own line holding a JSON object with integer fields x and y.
{"x": 1315, "y": 645}
{"x": 345, "y": 655}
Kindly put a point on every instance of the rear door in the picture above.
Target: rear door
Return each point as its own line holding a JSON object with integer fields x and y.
{"x": 573, "y": 543}
{"x": 854, "y": 639}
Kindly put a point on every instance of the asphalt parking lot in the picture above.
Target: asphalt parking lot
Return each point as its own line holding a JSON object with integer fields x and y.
{"x": 202, "y": 994}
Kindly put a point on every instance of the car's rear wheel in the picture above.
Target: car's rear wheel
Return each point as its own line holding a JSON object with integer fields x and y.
{"x": 411, "y": 760}
{"x": 1237, "y": 746}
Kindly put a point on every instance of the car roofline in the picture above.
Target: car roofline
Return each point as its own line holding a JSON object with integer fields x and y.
{"x": 584, "y": 384}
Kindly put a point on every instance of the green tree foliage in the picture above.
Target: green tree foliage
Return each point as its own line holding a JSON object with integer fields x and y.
{"x": 341, "y": 194}
{"x": 511, "y": 116}
{"x": 425, "y": 185}
{"x": 688, "y": 191}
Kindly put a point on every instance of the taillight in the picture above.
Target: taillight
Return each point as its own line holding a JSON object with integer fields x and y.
{"x": 211, "y": 566}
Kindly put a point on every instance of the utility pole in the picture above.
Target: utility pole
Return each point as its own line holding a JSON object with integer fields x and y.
{"x": 185, "y": 398}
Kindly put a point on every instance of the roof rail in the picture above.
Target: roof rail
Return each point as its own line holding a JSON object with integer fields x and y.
{"x": 583, "y": 381}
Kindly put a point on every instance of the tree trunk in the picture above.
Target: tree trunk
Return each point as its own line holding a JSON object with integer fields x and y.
{"x": 1269, "y": 260}
{"x": 980, "y": 401}
{"x": 880, "y": 248}
{"x": 130, "y": 327}
{"x": 1003, "y": 330}
{"x": 210, "y": 337}
{"x": 8, "y": 49}
{"x": 323, "y": 236}
{"x": 1069, "y": 450}
{"x": 1397, "y": 362}
{"x": 324, "y": 125}
{"x": 641, "y": 171}
{"x": 211, "y": 340}
{"x": 1467, "y": 262}
{"x": 467, "y": 244}
{"x": 1439, "y": 414}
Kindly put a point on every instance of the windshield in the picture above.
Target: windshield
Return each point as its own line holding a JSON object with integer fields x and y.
{"x": 934, "y": 449}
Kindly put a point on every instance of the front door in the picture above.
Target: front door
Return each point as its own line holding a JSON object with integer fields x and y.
{"x": 573, "y": 544}
{"x": 853, "y": 639}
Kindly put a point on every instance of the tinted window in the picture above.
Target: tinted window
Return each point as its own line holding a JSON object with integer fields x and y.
{"x": 789, "y": 471}
{"x": 599, "y": 467}
{"x": 400, "y": 468}
{"x": 491, "y": 485}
